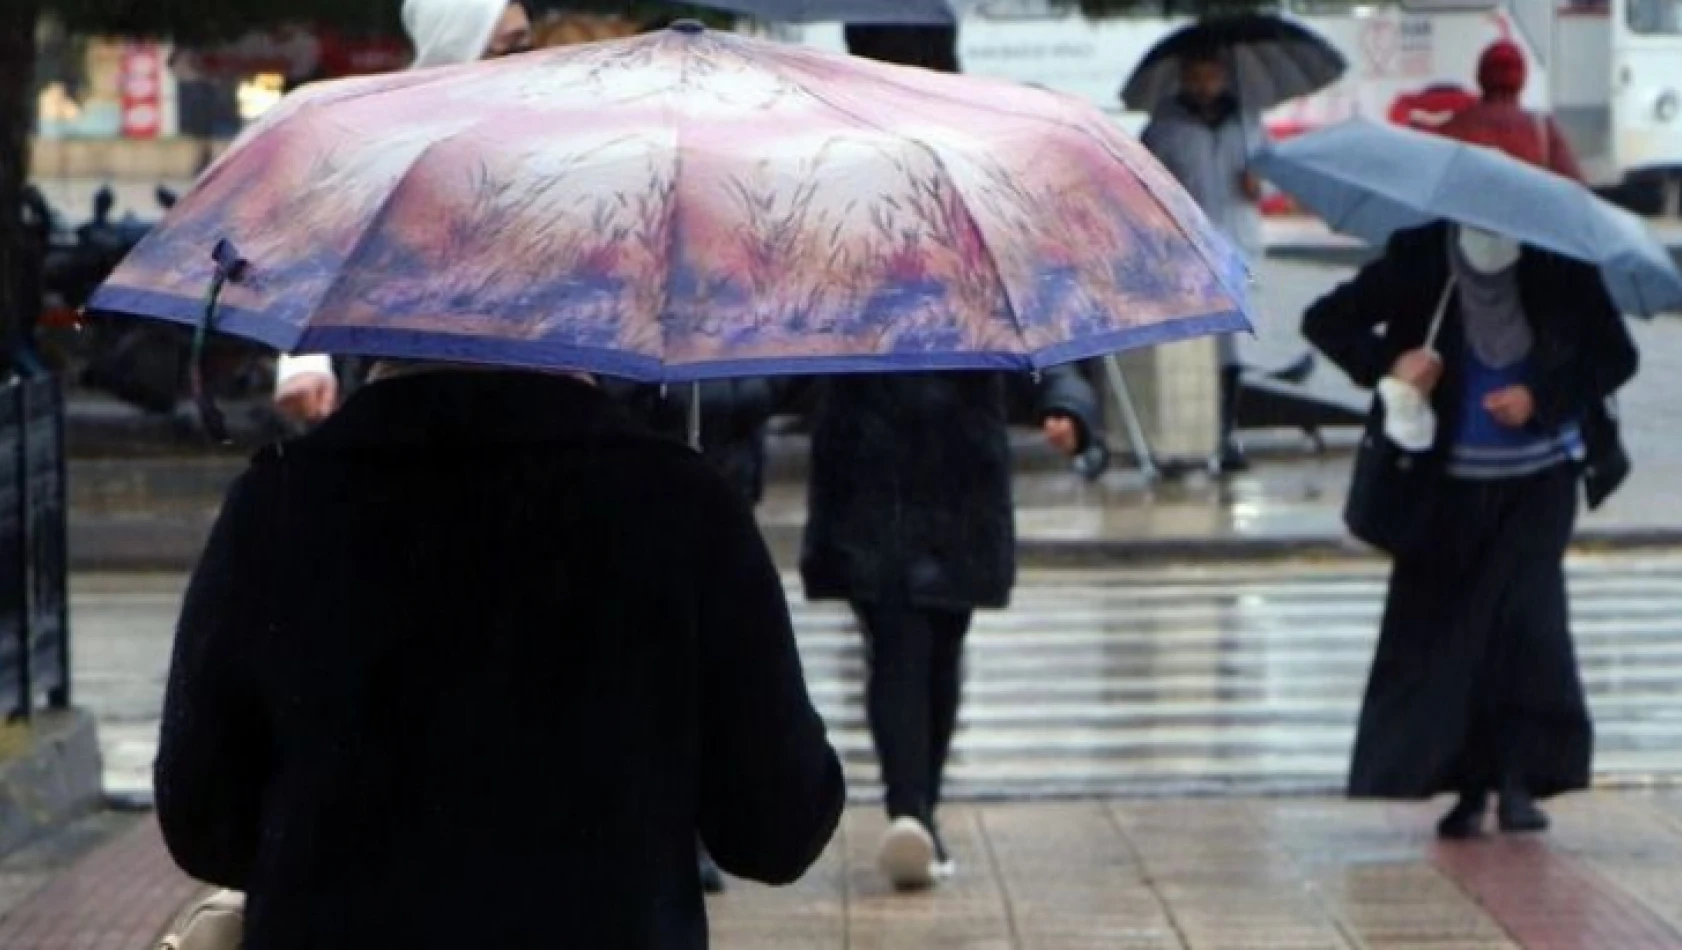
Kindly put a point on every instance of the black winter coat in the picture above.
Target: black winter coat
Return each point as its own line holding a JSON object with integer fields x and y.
{"x": 910, "y": 494}
{"x": 735, "y": 414}
{"x": 1583, "y": 353}
{"x": 471, "y": 665}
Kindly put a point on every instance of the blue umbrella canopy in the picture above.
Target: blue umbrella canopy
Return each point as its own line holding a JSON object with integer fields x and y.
{"x": 1370, "y": 181}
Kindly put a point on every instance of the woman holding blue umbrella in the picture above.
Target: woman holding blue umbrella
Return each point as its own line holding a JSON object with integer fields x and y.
{"x": 1495, "y": 363}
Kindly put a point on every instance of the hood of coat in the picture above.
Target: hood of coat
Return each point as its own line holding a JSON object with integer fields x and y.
{"x": 450, "y": 32}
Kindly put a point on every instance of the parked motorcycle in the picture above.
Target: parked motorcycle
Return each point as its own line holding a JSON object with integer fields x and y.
{"x": 141, "y": 363}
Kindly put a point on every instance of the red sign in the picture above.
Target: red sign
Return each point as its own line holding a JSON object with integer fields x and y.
{"x": 142, "y": 91}
{"x": 361, "y": 56}
{"x": 1430, "y": 108}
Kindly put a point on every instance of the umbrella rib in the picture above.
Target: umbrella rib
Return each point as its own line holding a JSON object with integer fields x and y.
{"x": 375, "y": 220}
{"x": 1238, "y": 297}
{"x": 311, "y": 104}
{"x": 665, "y": 313}
{"x": 1455, "y": 157}
{"x": 940, "y": 162}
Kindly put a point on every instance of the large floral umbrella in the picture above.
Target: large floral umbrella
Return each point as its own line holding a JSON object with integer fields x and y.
{"x": 689, "y": 205}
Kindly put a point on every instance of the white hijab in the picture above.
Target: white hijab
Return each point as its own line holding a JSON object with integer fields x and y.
{"x": 450, "y": 32}
{"x": 444, "y": 33}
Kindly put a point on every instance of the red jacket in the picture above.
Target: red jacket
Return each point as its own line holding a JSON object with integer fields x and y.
{"x": 1504, "y": 124}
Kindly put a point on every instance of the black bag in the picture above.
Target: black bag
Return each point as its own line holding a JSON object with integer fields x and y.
{"x": 1393, "y": 492}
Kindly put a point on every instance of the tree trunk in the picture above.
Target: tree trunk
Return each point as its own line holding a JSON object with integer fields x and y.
{"x": 17, "y": 119}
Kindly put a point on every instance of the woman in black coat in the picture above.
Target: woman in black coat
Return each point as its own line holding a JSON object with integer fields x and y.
{"x": 473, "y": 664}
{"x": 911, "y": 522}
{"x": 1475, "y": 687}
{"x": 735, "y": 414}
{"x": 735, "y": 417}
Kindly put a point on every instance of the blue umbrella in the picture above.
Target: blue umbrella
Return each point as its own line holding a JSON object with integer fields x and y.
{"x": 1372, "y": 180}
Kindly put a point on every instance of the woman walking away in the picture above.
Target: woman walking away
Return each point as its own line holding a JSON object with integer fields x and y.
{"x": 1475, "y": 687}
{"x": 474, "y": 664}
{"x": 911, "y": 523}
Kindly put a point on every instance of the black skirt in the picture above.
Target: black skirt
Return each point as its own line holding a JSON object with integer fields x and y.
{"x": 1475, "y": 684}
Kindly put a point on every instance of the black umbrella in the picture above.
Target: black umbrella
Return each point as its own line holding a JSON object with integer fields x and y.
{"x": 1273, "y": 60}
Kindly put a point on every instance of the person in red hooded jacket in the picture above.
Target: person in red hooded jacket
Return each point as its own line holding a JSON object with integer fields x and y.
{"x": 1500, "y": 122}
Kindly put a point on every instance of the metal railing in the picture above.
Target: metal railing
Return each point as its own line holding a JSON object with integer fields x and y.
{"x": 34, "y": 561}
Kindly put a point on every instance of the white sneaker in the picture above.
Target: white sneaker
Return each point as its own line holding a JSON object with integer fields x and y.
{"x": 944, "y": 867}
{"x": 907, "y": 856}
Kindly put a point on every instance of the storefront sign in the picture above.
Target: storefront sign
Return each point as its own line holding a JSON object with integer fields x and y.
{"x": 141, "y": 91}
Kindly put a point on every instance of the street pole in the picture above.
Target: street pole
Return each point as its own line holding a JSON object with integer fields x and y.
{"x": 695, "y": 416}
{"x": 18, "y": 20}
{"x": 1130, "y": 417}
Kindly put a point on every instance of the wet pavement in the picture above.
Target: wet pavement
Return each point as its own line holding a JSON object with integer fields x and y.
{"x": 1091, "y": 875}
{"x": 1214, "y": 679}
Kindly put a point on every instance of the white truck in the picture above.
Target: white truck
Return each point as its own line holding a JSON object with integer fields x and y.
{"x": 1609, "y": 70}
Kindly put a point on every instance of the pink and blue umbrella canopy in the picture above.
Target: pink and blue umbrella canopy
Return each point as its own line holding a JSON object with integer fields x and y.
{"x": 689, "y": 205}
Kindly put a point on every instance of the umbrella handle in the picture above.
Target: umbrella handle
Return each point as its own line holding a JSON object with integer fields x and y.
{"x": 229, "y": 267}
{"x": 695, "y": 416}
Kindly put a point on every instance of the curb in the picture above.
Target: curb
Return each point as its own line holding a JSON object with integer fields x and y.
{"x": 1076, "y": 554}
{"x": 171, "y": 546}
{"x": 1149, "y": 552}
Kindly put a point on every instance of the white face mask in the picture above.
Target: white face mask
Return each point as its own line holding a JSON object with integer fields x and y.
{"x": 1487, "y": 253}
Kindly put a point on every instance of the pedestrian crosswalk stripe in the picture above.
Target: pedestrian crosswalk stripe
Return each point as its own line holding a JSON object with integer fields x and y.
{"x": 1215, "y": 679}
{"x": 1182, "y": 680}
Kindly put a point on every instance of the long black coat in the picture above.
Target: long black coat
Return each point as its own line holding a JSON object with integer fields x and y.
{"x": 735, "y": 414}
{"x": 472, "y": 665}
{"x": 1474, "y": 683}
{"x": 1583, "y": 353}
{"x": 910, "y": 493}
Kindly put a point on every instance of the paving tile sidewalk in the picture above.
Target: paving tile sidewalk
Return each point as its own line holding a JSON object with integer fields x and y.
{"x": 1169, "y": 874}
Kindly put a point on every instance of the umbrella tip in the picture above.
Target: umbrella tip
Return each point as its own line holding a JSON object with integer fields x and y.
{"x": 689, "y": 27}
